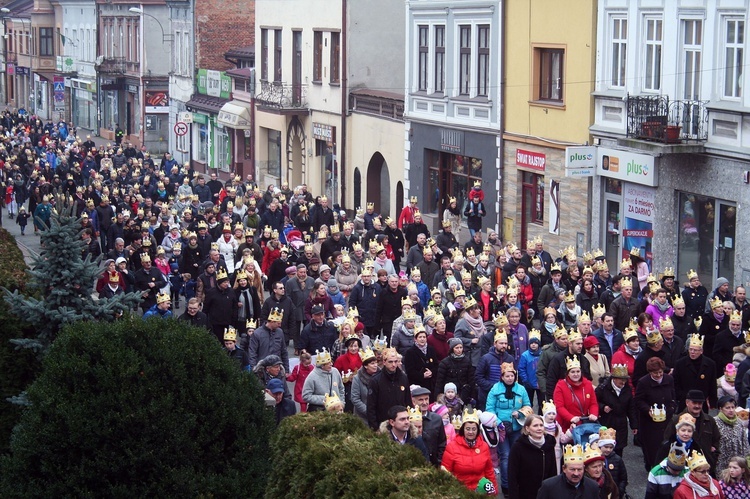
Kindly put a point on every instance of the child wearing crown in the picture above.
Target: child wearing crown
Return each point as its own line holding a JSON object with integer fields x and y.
{"x": 299, "y": 374}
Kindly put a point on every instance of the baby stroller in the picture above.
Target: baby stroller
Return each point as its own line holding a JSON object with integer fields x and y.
{"x": 584, "y": 429}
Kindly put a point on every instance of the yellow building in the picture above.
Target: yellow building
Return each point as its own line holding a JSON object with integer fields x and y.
{"x": 550, "y": 57}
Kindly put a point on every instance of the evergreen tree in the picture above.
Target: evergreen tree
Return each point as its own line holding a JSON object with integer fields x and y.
{"x": 64, "y": 282}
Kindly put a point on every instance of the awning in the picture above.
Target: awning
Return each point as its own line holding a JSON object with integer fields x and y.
{"x": 235, "y": 114}
{"x": 206, "y": 103}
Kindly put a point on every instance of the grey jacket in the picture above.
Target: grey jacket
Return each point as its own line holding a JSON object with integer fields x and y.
{"x": 359, "y": 394}
{"x": 321, "y": 383}
{"x": 298, "y": 296}
{"x": 264, "y": 342}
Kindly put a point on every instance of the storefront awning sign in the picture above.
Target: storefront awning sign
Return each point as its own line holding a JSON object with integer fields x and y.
{"x": 627, "y": 166}
{"x": 235, "y": 114}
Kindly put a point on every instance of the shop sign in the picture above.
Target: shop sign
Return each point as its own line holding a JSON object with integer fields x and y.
{"x": 451, "y": 140}
{"x": 11, "y": 68}
{"x": 530, "y": 159}
{"x": 640, "y": 210}
{"x": 22, "y": 71}
{"x": 133, "y": 89}
{"x": 322, "y": 132}
{"x": 580, "y": 157}
{"x": 157, "y": 101}
{"x": 214, "y": 83}
{"x": 580, "y": 172}
{"x": 64, "y": 64}
{"x": 627, "y": 166}
{"x": 58, "y": 84}
{"x": 200, "y": 118}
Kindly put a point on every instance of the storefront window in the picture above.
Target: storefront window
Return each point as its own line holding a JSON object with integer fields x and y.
{"x": 450, "y": 176}
{"x": 274, "y": 153}
{"x": 248, "y": 147}
{"x": 201, "y": 146}
{"x": 222, "y": 150}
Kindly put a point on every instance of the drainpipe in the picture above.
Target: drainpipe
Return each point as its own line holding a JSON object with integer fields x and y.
{"x": 344, "y": 104}
{"x": 503, "y": 50}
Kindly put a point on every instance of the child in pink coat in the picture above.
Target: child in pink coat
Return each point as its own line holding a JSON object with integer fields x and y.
{"x": 299, "y": 374}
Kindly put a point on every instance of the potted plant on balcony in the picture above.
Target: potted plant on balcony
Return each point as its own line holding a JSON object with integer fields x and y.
{"x": 672, "y": 134}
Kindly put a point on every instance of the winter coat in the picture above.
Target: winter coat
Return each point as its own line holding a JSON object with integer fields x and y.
{"x": 298, "y": 376}
{"x": 724, "y": 344}
{"x": 710, "y": 328}
{"x": 651, "y": 433}
{"x": 684, "y": 491}
{"x": 623, "y": 311}
{"x": 488, "y": 372}
{"x": 695, "y": 301}
{"x": 583, "y": 405}
{"x": 365, "y": 298}
{"x": 697, "y": 374}
{"x": 320, "y": 383}
{"x": 402, "y": 339}
{"x": 315, "y": 337}
{"x": 621, "y": 356}
{"x": 416, "y": 363}
{"x": 558, "y": 487}
{"x": 386, "y": 389}
{"x": 548, "y": 353}
{"x": 464, "y": 332}
{"x": 558, "y": 369}
{"x": 622, "y": 410}
{"x": 456, "y": 370}
{"x": 527, "y": 368}
{"x": 265, "y": 342}
{"x": 439, "y": 343}
{"x": 503, "y": 408}
{"x": 529, "y": 466}
{"x": 360, "y": 384}
{"x": 469, "y": 464}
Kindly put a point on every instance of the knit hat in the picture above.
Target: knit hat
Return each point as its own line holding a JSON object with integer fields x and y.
{"x": 721, "y": 281}
{"x": 323, "y": 268}
{"x": 450, "y": 387}
{"x": 453, "y": 342}
{"x": 488, "y": 419}
{"x": 440, "y": 410}
{"x": 331, "y": 283}
{"x": 590, "y": 341}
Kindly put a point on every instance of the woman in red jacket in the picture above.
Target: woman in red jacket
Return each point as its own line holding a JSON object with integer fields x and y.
{"x": 574, "y": 397}
{"x": 628, "y": 352}
{"x": 698, "y": 483}
{"x": 348, "y": 364}
{"x": 467, "y": 457}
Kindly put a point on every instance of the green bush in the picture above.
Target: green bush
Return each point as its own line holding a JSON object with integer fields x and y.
{"x": 321, "y": 455}
{"x": 139, "y": 409}
{"x": 17, "y": 367}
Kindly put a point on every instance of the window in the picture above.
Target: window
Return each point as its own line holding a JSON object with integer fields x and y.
{"x": 335, "y": 57}
{"x": 318, "y": 56}
{"x": 548, "y": 84}
{"x": 45, "y": 42}
{"x": 277, "y": 56}
{"x": 692, "y": 33}
{"x": 619, "y": 51}
{"x": 274, "y": 153}
{"x": 439, "y": 59}
{"x": 733, "y": 57}
{"x": 652, "y": 73}
{"x": 450, "y": 175}
{"x": 533, "y": 198}
{"x": 424, "y": 55}
{"x": 264, "y": 54}
{"x": 464, "y": 72}
{"x": 182, "y": 143}
{"x": 483, "y": 59}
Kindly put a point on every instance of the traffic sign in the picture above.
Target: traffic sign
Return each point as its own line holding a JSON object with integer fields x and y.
{"x": 180, "y": 128}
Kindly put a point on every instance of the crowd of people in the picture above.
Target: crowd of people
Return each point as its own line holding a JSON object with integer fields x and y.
{"x": 508, "y": 367}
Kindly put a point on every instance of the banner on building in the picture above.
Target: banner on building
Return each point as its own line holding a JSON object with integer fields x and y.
{"x": 638, "y": 231}
{"x": 554, "y": 207}
{"x": 58, "y": 83}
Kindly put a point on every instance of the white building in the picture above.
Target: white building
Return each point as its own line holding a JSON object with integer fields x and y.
{"x": 453, "y": 102}
{"x": 181, "y": 78}
{"x": 672, "y": 121}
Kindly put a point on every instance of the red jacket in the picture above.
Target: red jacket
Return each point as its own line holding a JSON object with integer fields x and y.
{"x": 406, "y": 217}
{"x": 347, "y": 362}
{"x": 567, "y": 407}
{"x": 468, "y": 465}
{"x": 440, "y": 344}
{"x": 623, "y": 357}
{"x": 684, "y": 491}
{"x": 299, "y": 375}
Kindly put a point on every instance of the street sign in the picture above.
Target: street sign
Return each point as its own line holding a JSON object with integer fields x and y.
{"x": 180, "y": 128}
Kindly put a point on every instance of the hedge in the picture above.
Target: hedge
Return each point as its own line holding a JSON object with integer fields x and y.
{"x": 322, "y": 455}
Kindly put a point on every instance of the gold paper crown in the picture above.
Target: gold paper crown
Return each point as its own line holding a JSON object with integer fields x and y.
{"x": 477, "y": 183}
{"x": 535, "y": 260}
{"x": 470, "y": 253}
{"x": 574, "y": 335}
{"x": 597, "y": 253}
{"x": 695, "y": 340}
{"x": 588, "y": 269}
{"x": 626, "y": 263}
{"x": 366, "y": 354}
{"x": 569, "y": 297}
{"x": 331, "y": 400}
{"x": 601, "y": 266}
{"x": 352, "y": 313}
{"x": 456, "y": 252}
{"x": 675, "y": 458}
{"x": 607, "y": 434}
{"x": 584, "y": 317}
{"x": 716, "y": 302}
{"x": 459, "y": 292}
{"x": 692, "y": 274}
{"x": 538, "y": 240}
{"x": 555, "y": 267}
{"x": 434, "y": 291}
{"x": 413, "y": 199}
{"x": 230, "y": 334}
{"x": 114, "y": 278}
{"x": 698, "y": 321}
{"x": 629, "y": 333}
{"x": 409, "y": 314}
{"x": 414, "y": 414}
{"x": 370, "y": 205}
{"x": 417, "y": 213}
{"x": 221, "y": 274}
{"x": 380, "y": 343}
{"x": 470, "y": 302}
{"x": 145, "y": 257}
{"x": 276, "y": 315}
{"x": 415, "y": 272}
{"x": 456, "y": 422}
{"x": 620, "y": 370}
{"x": 202, "y": 224}
{"x": 251, "y": 324}
{"x": 666, "y": 322}
{"x": 482, "y": 280}
{"x": 548, "y": 406}
{"x": 335, "y": 229}
{"x": 653, "y": 287}
{"x": 686, "y": 418}
{"x": 658, "y": 413}
{"x": 240, "y": 274}
{"x": 451, "y": 199}
{"x": 535, "y": 334}
{"x": 573, "y": 454}
{"x": 322, "y": 357}
{"x": 626, "y": 282}
{"x": 560, "y": 332}
{"x": 513, "y": 282}
{"x": 500, "y": 336}
{"x": 572, "y": 363}
{"x": 591, "y": 453}
{"x": 507, "y": 366}
{"x": 549, "y": 310}
{"x": 500, "y": 320}
{"x": 736, "y": 316}
{"x": 446, "y": 223}
{"x": 653, "y": 336}
{"x": 215, "y": 246}
{"x": 635, "y": 251}
{"x": 696, "y": 460}
{"x": 470, "y": 415}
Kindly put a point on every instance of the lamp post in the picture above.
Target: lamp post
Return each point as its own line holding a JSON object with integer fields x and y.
{"x": 165, "y": 38}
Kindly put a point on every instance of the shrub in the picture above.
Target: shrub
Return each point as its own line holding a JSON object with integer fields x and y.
{"x": 317, "y": 455}
{"x": 139, "y": 409}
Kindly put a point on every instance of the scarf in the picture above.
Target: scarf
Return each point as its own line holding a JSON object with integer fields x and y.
{"x": 470, "y": 443}
{"x": 406, "y": 331}
{"x": 380, "y": 261}
{"x": 476, "y": 325}
{"x": 509, "y": 391}
{"x": 550, "y": 428}
{"x": 589, "y": 293}
{"x": 719, "y": 317}
{"x": 662, "y": 308}
{"x": 699, "y": 489}
{"x": 616, "y": 388}
{"x": 537, "y": 442}
{"x": 453, "y": 355}
{"x": 551, "y": 328}
{"x": 536, "y": 272}
{"x": 364, "y": 377}
{"x": 631, "y": 352}
{"x": 423, "y": 349}
{"x": 726, "y": 420}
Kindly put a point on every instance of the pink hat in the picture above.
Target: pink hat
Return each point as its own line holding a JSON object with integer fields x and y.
{"x": 439, "y": 409}
{"x": 730, "y": 371}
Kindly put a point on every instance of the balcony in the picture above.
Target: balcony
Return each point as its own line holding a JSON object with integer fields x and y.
{"x": 377, "y": 103}
{"x": 655, "y": 118}
{"x": 282, "y": 96}
{"x": 112, "y": 65}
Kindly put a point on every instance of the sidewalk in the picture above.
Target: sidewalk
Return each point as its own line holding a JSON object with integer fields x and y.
{"x": 29, "y": 244}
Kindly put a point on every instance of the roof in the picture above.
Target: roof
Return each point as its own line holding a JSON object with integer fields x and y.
{"x": 240, "y": 73}
{"x": 246, "y": 52}
{"x": 378, "y": 93}
{"x": 206, "y": 103}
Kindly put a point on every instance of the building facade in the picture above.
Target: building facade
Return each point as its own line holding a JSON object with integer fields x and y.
{"x": 671, "y": 119}
{"x": 453, "y": 103}
{"x": 181, "y": 79}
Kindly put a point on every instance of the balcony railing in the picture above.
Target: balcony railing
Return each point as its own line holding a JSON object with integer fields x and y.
{"x": 282, "y": 95}
{"x": 378, "y": 105}
{"x": 656, "y": 118}
{"x": 112, "y": 65}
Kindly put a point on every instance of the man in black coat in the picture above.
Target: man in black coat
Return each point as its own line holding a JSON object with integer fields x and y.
{"x": 149, "y": 280}
{"x": 364, "y": 297}
{"x": 221, "y": 306}
{"x": 387, "y": 388}
{"x": 695, "y": 372}
{"x": 433, "y": 432}
{"x": 616, "y": 405}
{"x": 322, "y": 215}
{"x": 557, "y": 369}
{"x": 571, "y": 483}
{"x": 278, "y": 299}
{"x": 194, "y": 316}
{"x": 654, "y": 348}
{"x": 389, "y": 304}
{"x": 727, "y": 339}
{"x": 318, "y": 333}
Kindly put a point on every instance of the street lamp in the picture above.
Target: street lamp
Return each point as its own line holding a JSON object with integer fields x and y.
{"x": 165, "y": 38}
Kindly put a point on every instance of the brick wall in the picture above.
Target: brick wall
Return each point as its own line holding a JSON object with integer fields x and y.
{"x": 221, "y": 25}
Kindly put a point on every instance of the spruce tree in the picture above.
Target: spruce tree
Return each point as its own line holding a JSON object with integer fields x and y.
{"x": 61, "y": 283}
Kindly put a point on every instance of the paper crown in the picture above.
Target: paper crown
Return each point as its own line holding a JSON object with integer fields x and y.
{"x": 470, "y": 415}
{"x": 666, "y": 322}
{"x": 574, "y": 335}
{"x": 459, "y": 292}
{"x": 177, "y": 246}
{"x": 573, "y": 454}
{"x": 500, "y": 336}
{"x": 601, "y": 266}
{"x": 698, "y": 321}
{"x": 470, "y": 302}
{"x": 548, "y": 406}
{"x": 162, "y": 298}
{"x": 626, "y": 282}
{"x": 555, "y": 267}
{"x": 366, "y": 354}
{"x": 692, "y": 274}
{"x": 222, "y": 274}
{"x": 215, "y": 246}
{"x": 482, "y": 280}
{"x": 561, "y": 332}
{"x": 414, "y": 414}
{"x": 331, "y": 401}
{"x": 413, "y": 199}
{"x": 584, "y": 317}
{"x": 417, "y": 213}
{"x": 572, "y": 363}
{"x": 696, "y": 460}
{"x": 736, "y": 316}
{"x": 620, "y": 371}
{"x": 569, "y": 297}
{"x": 535, "y": 334}
{"x": 685, "y": 418}
{"x": 335, "y": 229}
{"x": 276, "y": 315}
{"x": 626, "y": 264}
{"x": 230, "y": 334}
{"x": 658, "y": 413}
{"x": 607, "y": 436}
{"x": 202, "y": 224}
{"x": 352, "y": 313}
{"x": 592, "y": 453}
{"x": 240, "y": 274}
{"x": 668, "y": 272}
{"x": 695, "y": 340}
{"x": 145, "y": 257}
{"x": 629, "y": 334}
{"x": 251, "y": 324}
{"x": 677, "y": 455}
{"x": 538, "y": 240}
{"x": 549, "y": 310}
{"x": 370, "y": 205}
{"x": 653, "y": 336}
{"x": 716, "y": 302}
{"x": 507, "y": 366}
{"x": 409, "y": 314}
{"x": 456, "y": 422}
{"x": 322, "y": 357}
{"x": 456, "y": 252}
{"x": 535, "y": 260}
{"x": 380, "y": 343}
{"x": 114, "y": 278}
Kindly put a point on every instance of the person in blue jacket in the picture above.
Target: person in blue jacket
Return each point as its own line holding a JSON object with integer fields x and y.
{"x": 488, "y": 371}
{"x": 509, "y": 401}
{"x": 527, "y": 365}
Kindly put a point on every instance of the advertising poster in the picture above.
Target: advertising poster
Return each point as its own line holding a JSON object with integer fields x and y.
{"x": 554, "y": 207}
{"x": 638, "y": 229}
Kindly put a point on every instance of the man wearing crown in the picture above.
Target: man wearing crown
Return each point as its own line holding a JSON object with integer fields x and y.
{"x": 727, "y": 339}
{"x": 269, "y": 339}
{"x": 571, "y": 483}
{"x": 695, "y": 372}
{"x": 236, "y": 354}
{"x": 625, "y": 306}
{"x": 161, "y": 308}
{"x": 695, "y": 295}
{"x": 148, "y": 280}
{"x": 221, "y": 305}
